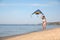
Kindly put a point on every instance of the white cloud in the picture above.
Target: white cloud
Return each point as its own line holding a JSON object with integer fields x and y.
{"x": 30, "y": 4}
{"x": 53, "y": 3}
{"x": 19, "y": 4}
{"x": 38, "y": 4}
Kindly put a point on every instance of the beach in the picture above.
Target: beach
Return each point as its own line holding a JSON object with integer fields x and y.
{"x": 51, "y": 34}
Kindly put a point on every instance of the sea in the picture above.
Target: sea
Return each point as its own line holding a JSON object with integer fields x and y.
{"x": 16, "y": 29}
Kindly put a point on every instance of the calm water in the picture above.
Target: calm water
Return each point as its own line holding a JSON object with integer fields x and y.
{"x": 8, "y": 30}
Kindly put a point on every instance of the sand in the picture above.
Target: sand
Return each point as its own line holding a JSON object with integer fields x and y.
{"x": 52, "y": 34}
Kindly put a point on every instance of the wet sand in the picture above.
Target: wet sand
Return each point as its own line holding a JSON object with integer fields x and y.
{"x": 51, "y": 34}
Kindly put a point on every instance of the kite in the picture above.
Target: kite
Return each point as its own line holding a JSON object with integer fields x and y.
{"x": 44, "y": 22}
{"x": 37, "y": 12}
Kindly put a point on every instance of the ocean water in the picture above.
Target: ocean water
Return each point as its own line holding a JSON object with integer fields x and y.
{"x": 10, "y": 29}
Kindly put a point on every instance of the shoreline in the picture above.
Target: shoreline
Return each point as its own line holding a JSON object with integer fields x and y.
{"x": 39, "y": 35}
{"x": 26, "y": 33}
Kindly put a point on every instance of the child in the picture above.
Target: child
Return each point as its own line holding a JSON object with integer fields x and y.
{"x": 44, "y": 22}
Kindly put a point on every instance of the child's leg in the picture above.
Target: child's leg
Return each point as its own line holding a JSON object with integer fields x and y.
{"x": 44, "y": 26}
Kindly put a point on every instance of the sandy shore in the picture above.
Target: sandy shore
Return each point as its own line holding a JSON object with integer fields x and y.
{"x": 52, "y": 34}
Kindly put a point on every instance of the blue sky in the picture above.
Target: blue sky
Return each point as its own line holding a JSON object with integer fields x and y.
{"x": 19, "y": 11}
